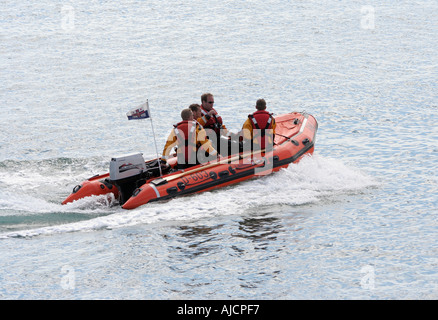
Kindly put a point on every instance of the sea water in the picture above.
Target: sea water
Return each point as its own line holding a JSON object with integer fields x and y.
{"x": 357, "y": 220}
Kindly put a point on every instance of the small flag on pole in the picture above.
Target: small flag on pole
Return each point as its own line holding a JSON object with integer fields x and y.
{"x": 141, "y": 112}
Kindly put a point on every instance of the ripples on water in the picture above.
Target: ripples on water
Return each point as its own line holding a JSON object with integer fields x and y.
{"x": 364, "y": 205}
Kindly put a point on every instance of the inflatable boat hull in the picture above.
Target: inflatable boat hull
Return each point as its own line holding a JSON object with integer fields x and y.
{"x": 295, "y": 138}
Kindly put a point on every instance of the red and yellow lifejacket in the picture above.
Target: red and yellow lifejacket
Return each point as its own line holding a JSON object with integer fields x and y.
{"x": 262, "y": 121}
{"x": 185, "y": 132}
{"x": 213, "y": 122}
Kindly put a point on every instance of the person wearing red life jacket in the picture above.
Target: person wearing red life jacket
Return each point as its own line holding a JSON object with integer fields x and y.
{"x": 188, "y": 136}
{"x": 259, "y": 128}
{"x": 210, "y": 118}
{"x": 212, "y": 121}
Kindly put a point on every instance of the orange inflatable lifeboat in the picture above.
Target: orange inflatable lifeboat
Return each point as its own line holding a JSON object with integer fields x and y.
{"x": 135, "y": 182}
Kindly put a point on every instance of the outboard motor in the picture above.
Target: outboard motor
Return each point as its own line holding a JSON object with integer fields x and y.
{"x": 127, "y": 173}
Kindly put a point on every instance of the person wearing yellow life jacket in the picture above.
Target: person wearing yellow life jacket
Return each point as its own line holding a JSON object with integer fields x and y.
{"x": 188, "y": 136}
{"x": 259, "y": 128}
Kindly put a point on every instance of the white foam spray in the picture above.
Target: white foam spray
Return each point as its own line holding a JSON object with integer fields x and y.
{"x": 312, "y": 180}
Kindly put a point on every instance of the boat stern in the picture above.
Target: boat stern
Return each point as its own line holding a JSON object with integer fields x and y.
{"x": 141, "y": 196}
{"x": 91, "y": 188}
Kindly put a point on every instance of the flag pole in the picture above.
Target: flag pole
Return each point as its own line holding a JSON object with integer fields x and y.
{"x": 155, "y": 141}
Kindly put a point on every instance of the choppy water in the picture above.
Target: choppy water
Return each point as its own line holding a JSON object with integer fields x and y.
{"x": 355, "y": 221}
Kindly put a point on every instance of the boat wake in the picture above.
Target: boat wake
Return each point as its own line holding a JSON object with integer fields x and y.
{"x": 314, "y": 180}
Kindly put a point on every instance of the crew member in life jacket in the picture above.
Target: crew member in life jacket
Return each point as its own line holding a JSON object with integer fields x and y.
{"x": 196, "y": 110}
{"x": 259, "y": 128}
{"x": 211, "y": 120}
{"x": 189, "y": 137}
